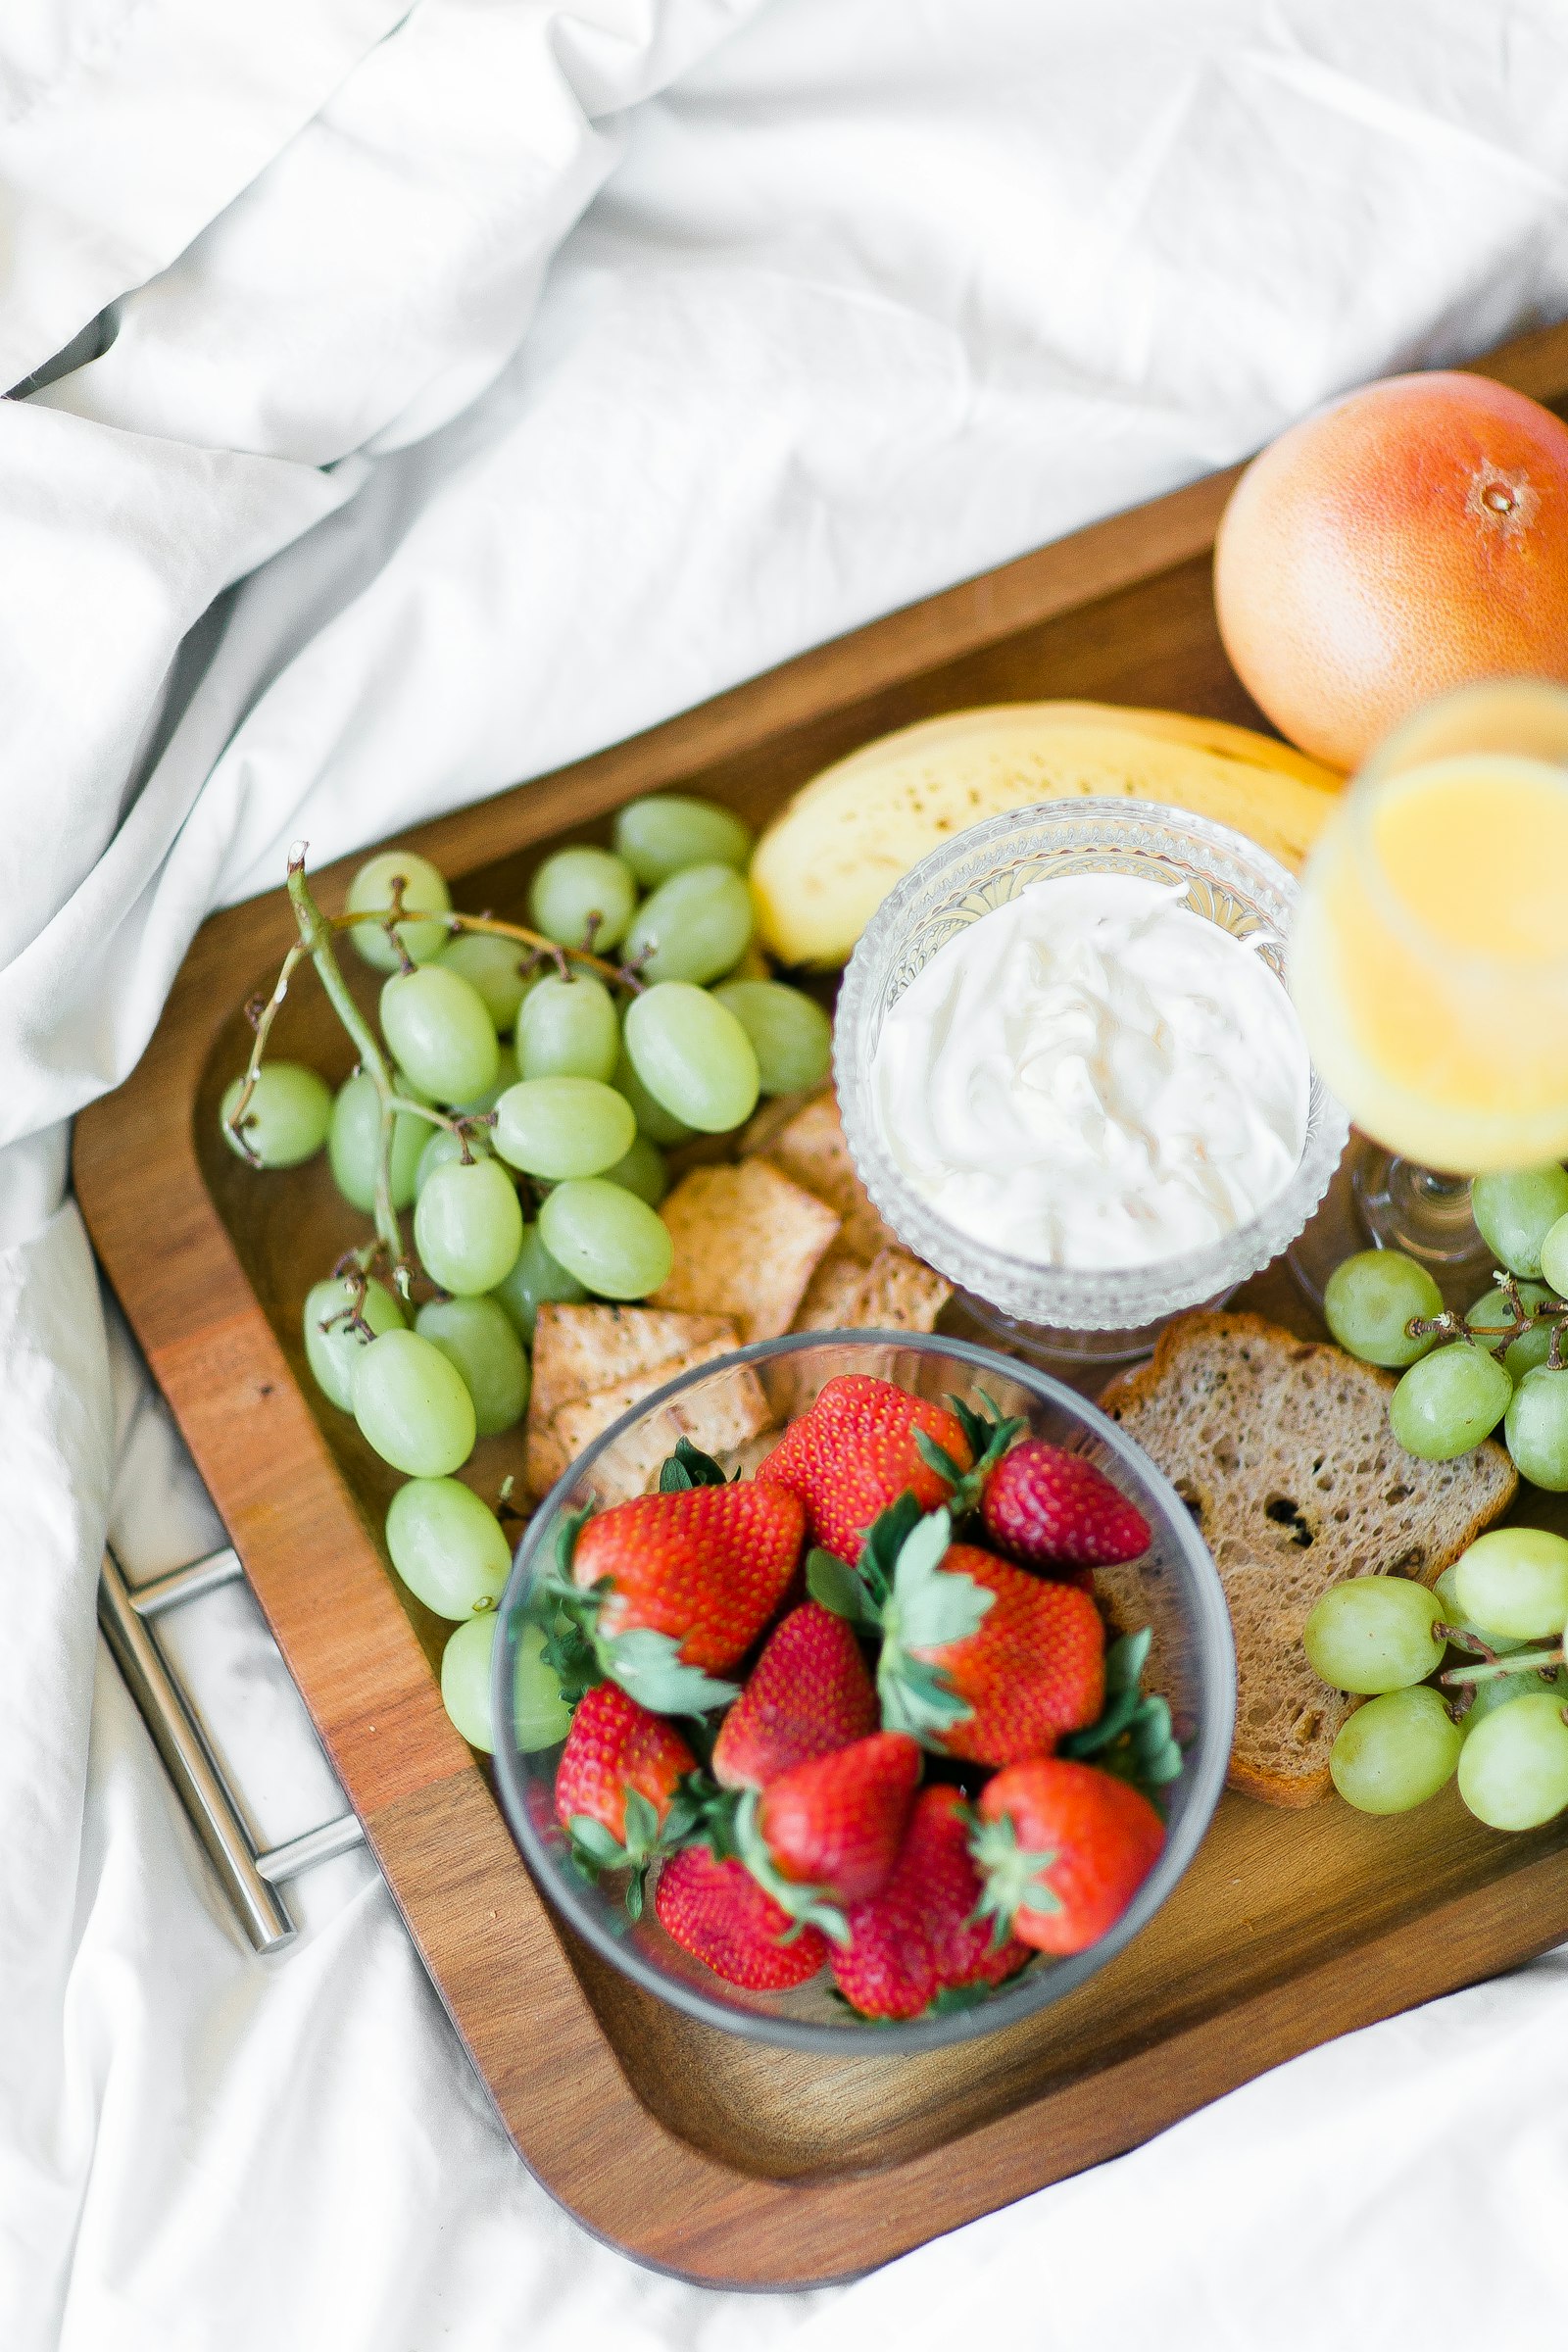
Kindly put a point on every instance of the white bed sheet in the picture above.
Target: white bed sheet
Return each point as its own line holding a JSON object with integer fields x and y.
{"x": 877, "y": 296}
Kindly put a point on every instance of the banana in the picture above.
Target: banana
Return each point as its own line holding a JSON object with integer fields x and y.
{"x": 825, "y": 865}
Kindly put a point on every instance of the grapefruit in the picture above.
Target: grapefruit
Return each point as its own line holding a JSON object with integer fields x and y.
{"x": 1408, "y": 538}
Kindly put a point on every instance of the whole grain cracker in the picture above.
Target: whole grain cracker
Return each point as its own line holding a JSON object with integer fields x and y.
{"x": 578, "y": 1349}
{"x": 719, "y": 1420}
{"x": 810, "y": 1148}
{"x": 746, "y": 1243}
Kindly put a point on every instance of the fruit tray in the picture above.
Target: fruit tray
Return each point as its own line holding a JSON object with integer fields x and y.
{"x": 721, "y": 2160}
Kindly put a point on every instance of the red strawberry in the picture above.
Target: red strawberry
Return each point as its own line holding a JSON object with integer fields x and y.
{"x": 1055, "y": 1509}
{"x": 920, "y": 1936}
{"x": 617, "y": 1753}
{"x": 718, "y": 1913}
{"x": 705, "y": 1567}
{"x": 1033, "y": 1668}
{"x": 832, "y": 1827}
{"x": 809, "y": 1694}
{"x": 857, "y": 1450}
{"x": 1063, "y": 1850}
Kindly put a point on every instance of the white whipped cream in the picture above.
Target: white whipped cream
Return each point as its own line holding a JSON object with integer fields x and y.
{"x": 1093, "y": 1076}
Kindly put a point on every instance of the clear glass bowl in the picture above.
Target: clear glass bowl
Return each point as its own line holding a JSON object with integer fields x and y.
{"x": 1193, "y": 1662}
{"x": 1230, "y": 881}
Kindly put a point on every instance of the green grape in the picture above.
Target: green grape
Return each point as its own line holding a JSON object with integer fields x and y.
{"x": 660, "y": 835}
{"x": 412, "y": 1405}
{"x": 693, "y": 927}
{"x": 642, "y": 1171}
{"x": 1373, "y": 1634}
{"x": 447, "y": 1545}
{"x": 575, "y": 887}
{"x": 423, "y": 888}
{"x": 1396, "y": 1752}
{"x": 1536, "y": 1429}
{"x": 467, "y": 1226}
{"x": 535, "y": 1281}
{"x": 1372, "y": 1298}
{"x": 611, "y": 1240}
{"x": 476, "y": 1336}
{"x": 465, "y": 1664}
{"x": 1555, "y": 1257}
{"x": 506, "y": 1075}
{"x": 1500, "y": 1691}
{"x": 1491, "y": 1314}
{"x": 1514, "y": 1580}
{"x": 331, "y": 1349}
{"x": 445, "y": 1148}
{"x": 652, "y": 1119}
{"x": 543, "y": 1717}
{"x": 286, "y": 1118}
{"x": 1513, "y": 1768}
{"x": 441, "y": 1033}
{"x": 501, "y": 971}
{"x": 791, "y": 1035}
{"x": 1448, "y": 1401}
{"x": 693, "y": 1056}
{"x": 1514, "y": 1212}
{"x": 353, "y": 1143}
{"x": 568, "y": 1029}
{"x": 1528, "y": 1353}
{"x": 560, "y": 1127}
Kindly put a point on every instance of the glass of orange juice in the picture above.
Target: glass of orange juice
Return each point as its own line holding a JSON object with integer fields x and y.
{"x": 1428, "y": 963}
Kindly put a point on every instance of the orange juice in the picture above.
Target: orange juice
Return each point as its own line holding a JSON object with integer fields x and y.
{"x": 1430, "y": 959}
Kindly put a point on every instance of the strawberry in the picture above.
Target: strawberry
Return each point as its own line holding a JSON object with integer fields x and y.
{"x": 920, "y": 1937}
{"x": 858, "y": 1449}
{"x": 825, "y": 1832}
{"x": 660, "y": 1589}
{"x": 1053, "y": 1509}
{"x": 1063, "y": 1848}
{"x": 1033, "y": 1668}
{"x": 715, "y": 1910}
{"x": 979, "y": 1658}
{"x": 618, "y": 1785}
{"x": 807, "y": 1693}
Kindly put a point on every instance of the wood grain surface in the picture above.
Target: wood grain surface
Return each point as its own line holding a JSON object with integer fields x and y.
{"x": 689, "y": 2148}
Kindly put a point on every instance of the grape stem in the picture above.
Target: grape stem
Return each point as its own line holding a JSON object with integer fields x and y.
{"x": 262, "y": 1018}
{"x": 316, "y": 940}
{"x": 1519, "y": 1661}
{"x": 546, "y": 950}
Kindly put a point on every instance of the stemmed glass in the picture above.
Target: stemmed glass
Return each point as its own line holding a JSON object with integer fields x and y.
{"x": 1428, "y": 963}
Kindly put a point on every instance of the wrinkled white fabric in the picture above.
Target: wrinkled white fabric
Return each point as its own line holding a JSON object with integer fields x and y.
{"x": 876, "y": 295}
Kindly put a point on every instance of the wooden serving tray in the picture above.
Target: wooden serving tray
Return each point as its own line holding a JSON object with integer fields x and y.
{"x": 715, "y": 2158}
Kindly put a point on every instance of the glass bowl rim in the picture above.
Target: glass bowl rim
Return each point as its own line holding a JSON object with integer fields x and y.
{"x": 1208, "y": 1758}
{"x": 1069, "y": 1297}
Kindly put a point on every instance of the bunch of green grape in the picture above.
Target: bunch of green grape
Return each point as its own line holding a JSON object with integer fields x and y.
{"x": 1492, "y": 1627}
{"x": 570, "y": 1083}
{"x": 1460, "y": 1378}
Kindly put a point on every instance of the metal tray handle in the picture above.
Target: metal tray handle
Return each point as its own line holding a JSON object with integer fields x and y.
{"x": 250, "y": 1875}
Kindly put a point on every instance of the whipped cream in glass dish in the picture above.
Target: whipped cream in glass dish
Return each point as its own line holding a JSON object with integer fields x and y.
{"x": 1091, "y": 1075}
{"x": 1071, "y": 1076}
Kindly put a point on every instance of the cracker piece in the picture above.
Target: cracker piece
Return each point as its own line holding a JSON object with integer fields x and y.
{"x": 812, "y": 1149}
{"x": 899, "y": 1293}
{"x": 831, "y": 1294}
{"x": 769, "y": 1119}
{"x": 746, "y": 1243}
{"x": 579, "y": 1349}
{"x": 715, "y": 1419}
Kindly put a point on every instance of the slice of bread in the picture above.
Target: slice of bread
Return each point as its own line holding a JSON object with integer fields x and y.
{"x": 1280, "y": 1449}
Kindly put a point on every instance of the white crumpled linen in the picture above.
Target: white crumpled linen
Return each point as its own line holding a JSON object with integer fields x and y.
{"x": 876, "y": 295}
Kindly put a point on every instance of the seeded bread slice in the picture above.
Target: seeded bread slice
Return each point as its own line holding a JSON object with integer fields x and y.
{"x": 1281, "y": 1452}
